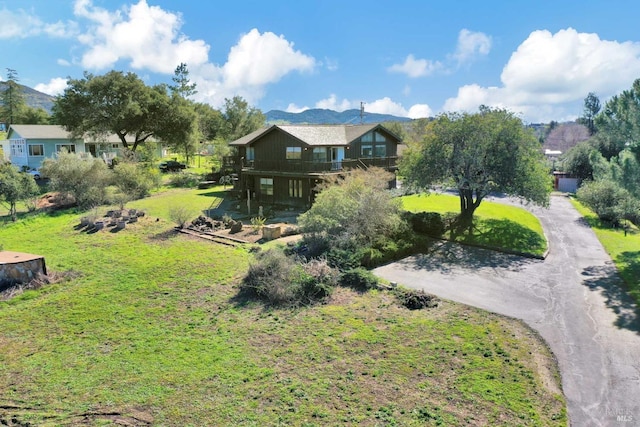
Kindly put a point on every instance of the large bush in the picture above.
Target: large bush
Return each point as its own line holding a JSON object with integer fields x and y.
{"x": 84, "y": 178}
{"x": 609, "y": 201}
{"x": 134, "y": 180}
{"x": 286, "y": 281}
{"x": 429, "y": 223}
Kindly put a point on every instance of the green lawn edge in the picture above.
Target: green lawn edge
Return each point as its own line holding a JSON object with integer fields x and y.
{"x": 623, "y": 249}
{"x": 499, "y": 226}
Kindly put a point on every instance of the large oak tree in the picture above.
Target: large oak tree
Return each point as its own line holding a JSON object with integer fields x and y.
{"x": 114, "y": 103}
{"x": 481, "y": 153}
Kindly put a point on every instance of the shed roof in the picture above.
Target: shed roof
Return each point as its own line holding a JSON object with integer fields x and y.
{"x": 315, "y": 135}
{"x": 10, "y": 257}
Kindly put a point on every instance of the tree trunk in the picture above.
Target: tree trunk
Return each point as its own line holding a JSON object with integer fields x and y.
{"x": 468, "y": 207}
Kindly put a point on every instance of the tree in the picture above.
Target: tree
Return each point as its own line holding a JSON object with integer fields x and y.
{"x": 620, "y": 122}
{"x": 12, "y": 98}
{"x": 15, "y": 187}
{"x": 591, "y": 110}
{"x": 85, "y": 179}
{"x": 33, "y": 116}
{"x": 240, "y": 118}
{"x": 478, "y": 154}
{"x": 577, "y": 161}
{"x": 114, "y": 103}
{"x": 183, "y": 86}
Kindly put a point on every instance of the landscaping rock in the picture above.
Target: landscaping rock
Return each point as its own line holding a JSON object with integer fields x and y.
{"x": 236, "y": 227}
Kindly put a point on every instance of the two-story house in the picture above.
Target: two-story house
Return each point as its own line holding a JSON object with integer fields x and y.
{"x": 283, "y": 164}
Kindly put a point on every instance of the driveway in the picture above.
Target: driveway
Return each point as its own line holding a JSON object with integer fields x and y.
{"x": 572, "y": 299}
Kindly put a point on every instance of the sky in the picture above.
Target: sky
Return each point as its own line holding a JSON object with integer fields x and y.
{"x": 414, "y": 59}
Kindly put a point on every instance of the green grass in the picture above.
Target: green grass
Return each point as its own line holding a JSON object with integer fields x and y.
{"x": 150, "y": 325}
{"x": 623, "y": 249}
{"x": 496, "y": 225}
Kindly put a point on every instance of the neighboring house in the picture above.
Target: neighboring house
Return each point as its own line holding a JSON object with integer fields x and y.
{"x": 29, "y": 145}
{"x": 283, "y": 164}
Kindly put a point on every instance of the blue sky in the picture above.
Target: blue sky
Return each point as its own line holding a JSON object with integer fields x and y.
{"x": 409, "y": 58}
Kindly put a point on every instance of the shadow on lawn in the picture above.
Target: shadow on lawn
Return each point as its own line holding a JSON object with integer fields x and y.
{"x": 507, "y": 234}
{"x": 607, "y": 280}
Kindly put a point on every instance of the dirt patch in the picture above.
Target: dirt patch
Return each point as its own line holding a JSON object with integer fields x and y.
{"x": 53, "y": 201}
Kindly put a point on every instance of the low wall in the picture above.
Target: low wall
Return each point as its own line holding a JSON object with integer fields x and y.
{"x": 16, "y": 267}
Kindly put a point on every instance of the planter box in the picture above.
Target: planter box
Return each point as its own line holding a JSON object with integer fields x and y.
{"x": 270, "y": 232}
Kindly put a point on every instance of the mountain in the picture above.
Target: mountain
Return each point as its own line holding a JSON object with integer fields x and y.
{"x": 33, "y": 98}
{"x": 320, "y": 116}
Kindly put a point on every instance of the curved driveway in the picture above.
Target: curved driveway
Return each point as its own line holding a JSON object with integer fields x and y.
{"x": 572, "y": 299}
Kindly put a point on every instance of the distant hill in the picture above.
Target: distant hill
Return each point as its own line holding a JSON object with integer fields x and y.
{"x": 33, "y": 98}
{"x": 319, "y": 116}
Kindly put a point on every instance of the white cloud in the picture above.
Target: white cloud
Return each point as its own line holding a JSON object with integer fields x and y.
{"x": 63, "y": 62}
{"x": 147, "y": 36}
{"x": 55, "y": 86}
{"x": 332, "y": 103}
{"x": 259, "y": 59}
{"x": 548, "y": 71}
{"x": 150, "y": 39}
{"x": 20, "y": 24}
{"x": 293, "y": 108}
{"x": 413, "y": 67}
{"x": 420, "y": 111}
{"x": 331, "y": 64}
{"x": 470, "y": 45}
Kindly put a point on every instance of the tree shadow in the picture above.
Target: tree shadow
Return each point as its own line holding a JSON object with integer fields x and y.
{"x": 606, "y": 279}
{"x": 509, "y": 235}
{"x": 446, "y": 257}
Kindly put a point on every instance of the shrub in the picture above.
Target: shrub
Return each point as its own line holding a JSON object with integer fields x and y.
{"x": 184, "y": 180}
{"x": 85, "y": 179}
{"x": 180, "y": 215}
{"x": 287, "y": 281}
{"x": 415, "y": 299}
{"x": 134, "y": 180}
{"x": 359, "y": 279}
{"x": 608, "y": 200}
{"x": 429, "y": 223}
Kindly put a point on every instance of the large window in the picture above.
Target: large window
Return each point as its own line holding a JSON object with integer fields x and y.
{"x": 380, "y": 137}
{"x": 366, "y": 151}
{"x": 368, "y": 137}
{"x": 266, "y": 186}
{"x": 36, "y": 150}
{"x": 295, "y": 188}
{"x": 294, "y": 153}
{"x": 320, "y": 154}
{"x": 250, "y": 153}
{"x": 380, "y": 151}
{"x": 69, "y": 148}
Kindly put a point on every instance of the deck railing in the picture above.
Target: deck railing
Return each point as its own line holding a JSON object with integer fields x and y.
{"x": 300, "y": 166}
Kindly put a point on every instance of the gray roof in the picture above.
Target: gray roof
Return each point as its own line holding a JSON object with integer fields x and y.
{"x": 41, "y": 131}
{"x": 55, "y": 132}
{"x": 319, "y": 135}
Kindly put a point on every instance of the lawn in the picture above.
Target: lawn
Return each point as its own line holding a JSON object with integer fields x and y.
{"x": 623, "y": 249}
{"x": 497, "y": 225}
{"x": 148, "y": 328}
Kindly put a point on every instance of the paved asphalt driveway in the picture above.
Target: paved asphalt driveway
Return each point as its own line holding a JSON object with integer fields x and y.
{"x": 571, "y": 299}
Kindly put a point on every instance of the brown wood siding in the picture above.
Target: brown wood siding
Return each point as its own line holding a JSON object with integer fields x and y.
{"x": 281, "y": 191}
{"x": 273, "y": 147}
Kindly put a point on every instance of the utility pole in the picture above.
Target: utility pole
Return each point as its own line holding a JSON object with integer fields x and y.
{"x": 361, "y": 112}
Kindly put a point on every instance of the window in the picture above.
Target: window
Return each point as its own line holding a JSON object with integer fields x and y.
{"x": 380, "y": 137}
{"x": 295, "y": 188}
{"x": 266, "y": 186}
{"x": 367, "y": 151}
{"x": 250, "y": 153}
{"x": 294, "y": 153}
{"x": 380, "y": 151}
{"x": 367, "y": 137}
{"x": 320, "y": 154}
{"x": 69, "y": 148}
{"x": 36, "y": 150}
